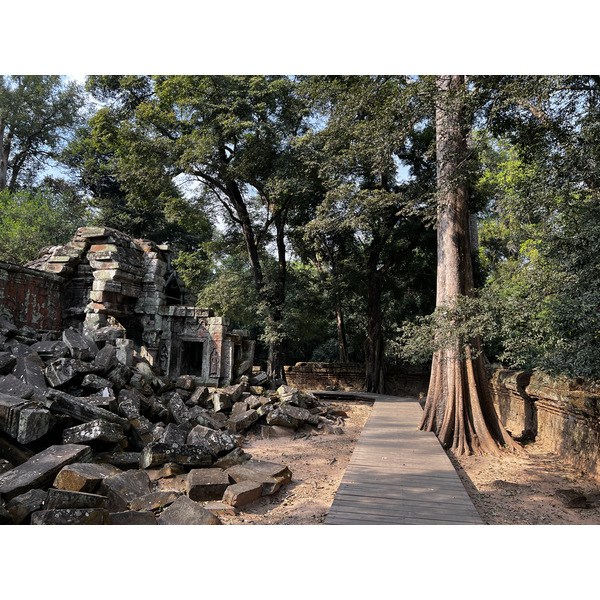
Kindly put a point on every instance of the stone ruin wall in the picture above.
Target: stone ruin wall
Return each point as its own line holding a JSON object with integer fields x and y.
{"x": 564, "y": 414}
{"x": 31, "y": 298}
{"x": 124, "y": 291}
{"x": 347, "y": 377}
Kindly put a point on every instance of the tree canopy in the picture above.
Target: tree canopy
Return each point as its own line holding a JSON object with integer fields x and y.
{"x": 306, "y": 208}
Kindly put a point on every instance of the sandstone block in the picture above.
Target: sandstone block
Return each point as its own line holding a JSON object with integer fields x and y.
{"x": 121, "y": 489}
{"x": 157, "y": 454}
{"x": 154, "y": 501}
{"x": 93, "y": 431}
{"x": 57, "y": 498}
{"x": 187, "y": 512}
{"x": 84, "y": 477}
{"x": 40, "y": 470}
{"x": 240, "y": 494}
{"x": 20, "y": 507}
{"x": 242, "y": 421}
{"x": 206, "y": 484}
{"x": 71, "y": 516}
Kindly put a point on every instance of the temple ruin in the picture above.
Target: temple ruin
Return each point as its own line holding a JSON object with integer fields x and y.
{"x": 114, "y": 288}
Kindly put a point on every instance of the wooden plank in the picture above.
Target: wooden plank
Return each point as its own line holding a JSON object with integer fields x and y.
{"x": 400, "y": 475}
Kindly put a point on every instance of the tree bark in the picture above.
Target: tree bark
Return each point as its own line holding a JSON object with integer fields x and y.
{"x": 374, "y": 343}
{"x": 341, "y": 330}
{"x": 459, "y": 406}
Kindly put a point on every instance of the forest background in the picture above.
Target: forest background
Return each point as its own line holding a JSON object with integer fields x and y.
{"x": 303, "y": 208}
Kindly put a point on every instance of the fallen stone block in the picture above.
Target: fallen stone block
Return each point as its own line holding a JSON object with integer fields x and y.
{"x": 106, "y": 358}
{"x": 62, "y": 370}
{"x": 239, "y": 473}
{"x": 40, "y": 470}
{"x": 77, "y": 345}
{"x": 95, "y": 382}
{"x": 240, "y": 494}
{"x": 84, "y": 477}
{"x": 51, "y": 349}
{"x": 243, "y": 421}
{"x": 57, "y": 498}
{"x": 221, "y": 402}
{"x": 157, "y": 454}
{"x": 235, "y": 457}
{"x": 20, "y": 507}
{"x": 239, "y": 407}
{"x": 177, "y": 409}
{"x": 154, "y": 501}
{"x": 132, "y": 517}
{"x": 12, "y": 386}
{"x": 219, "y": 442}
{"x": 295, "y": 412}
{"x": 23, "y": 420}
{"x": 199, "y": 397}
{"x": 81, "y": 410}
{"x": 259, "y": 378}
{"x": 186, "y": 382}
{"x": 121, "y": 489}
{"x": 122, "y": 460}
{"x": 235, "y": 391}
{"x": 213, "y": 420}
{"x": 71, "y": 516}
{"x": 187, "y": 512}
{"x": 7, "y": 362}
{"x": 93, "y": 431}
{"x": 119, "y": 376}
{"x": 30, "y": 369}
{"x": 206, "y": 484}
{"x": 221, "y": 509}
{"x": 175, "y": 435}
{"x": 278, "y": 417}
{"x": 271, "y": 469}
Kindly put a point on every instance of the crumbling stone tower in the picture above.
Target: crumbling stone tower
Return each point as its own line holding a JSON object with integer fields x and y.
{"x": 125, "y": 292}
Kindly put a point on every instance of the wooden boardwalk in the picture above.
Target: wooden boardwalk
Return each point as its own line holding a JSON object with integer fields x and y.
{"x": 399, "y": 475}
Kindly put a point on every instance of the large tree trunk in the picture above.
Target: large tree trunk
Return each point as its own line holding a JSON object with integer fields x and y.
{"x": 459, "y": 407}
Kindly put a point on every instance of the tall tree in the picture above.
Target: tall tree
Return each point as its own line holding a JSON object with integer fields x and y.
{"x": 36, "y": 114}
{"x": 459, "y": 407}
{"x": 233, "y": 136}
{"x": 374, "y": 185}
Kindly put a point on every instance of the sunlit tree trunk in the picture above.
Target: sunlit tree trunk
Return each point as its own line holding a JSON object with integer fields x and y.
{"x": 459, "y": 406}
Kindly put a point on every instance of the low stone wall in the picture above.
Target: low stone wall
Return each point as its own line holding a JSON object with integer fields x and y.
{"x": 343, "y": 377}
{"x": 348, "y": 377}
{"x": 30, "y": 297}
{"x": 564, "y": 414}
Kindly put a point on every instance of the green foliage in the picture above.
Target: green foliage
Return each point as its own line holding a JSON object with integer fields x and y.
{"x": 32, "y": 219}
{"x": 37, "y": 113}
{"x": 453, "y": 325}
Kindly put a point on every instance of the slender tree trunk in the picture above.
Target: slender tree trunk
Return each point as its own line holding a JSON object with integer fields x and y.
{"x": 274, "y": 299}
{"x": 4, "y": 151}
{"x": 459, "y": 407}
{"x": 341, "y": 330}
{"x": 374, "y": 344}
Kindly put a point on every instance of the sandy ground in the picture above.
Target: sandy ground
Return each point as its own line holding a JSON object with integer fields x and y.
{"x": 317, "y": 463}
{"x": 525, "y": 489}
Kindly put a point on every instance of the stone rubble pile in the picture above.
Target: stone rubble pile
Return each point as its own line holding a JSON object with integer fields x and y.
{"x": 90, "y": 435}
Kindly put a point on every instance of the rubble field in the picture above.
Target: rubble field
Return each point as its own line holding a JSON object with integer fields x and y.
{"x": 89, "y": 434}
